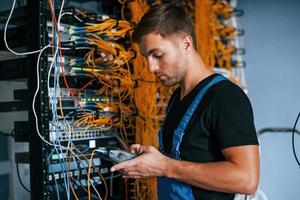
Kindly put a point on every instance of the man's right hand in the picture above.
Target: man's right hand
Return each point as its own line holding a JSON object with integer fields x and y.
{"x": 151, "y": 163}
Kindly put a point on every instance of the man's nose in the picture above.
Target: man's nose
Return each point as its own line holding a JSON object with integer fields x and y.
{"x": 153, "y": 66}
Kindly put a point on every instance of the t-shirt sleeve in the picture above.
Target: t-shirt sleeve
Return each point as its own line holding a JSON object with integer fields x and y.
{"x": 233, "y": 121}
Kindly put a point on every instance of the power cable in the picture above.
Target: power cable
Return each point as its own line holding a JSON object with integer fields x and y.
{"x": 5, "y": 33}
{"x": 293, "y": 140}
{"x": 18, "y": 173}
{"x": 8, "y": 134}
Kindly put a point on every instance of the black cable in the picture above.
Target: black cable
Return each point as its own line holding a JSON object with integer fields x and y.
{"x": 276, "y": 130}
{"x": 5, "y": 134}
{"x": 18, "y": 173}
{"x": 293, "y": 140}
{"x": 8, "y": 134}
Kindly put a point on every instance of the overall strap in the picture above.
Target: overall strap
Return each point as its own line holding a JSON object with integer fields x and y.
{"x": 179, "y": 132}
{"x": 160, "y": 141}
{"x": 190, "y": 111}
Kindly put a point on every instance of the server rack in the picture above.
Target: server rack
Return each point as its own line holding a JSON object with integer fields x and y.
{"x": 49, "y": 177}
{"x": 45, "y": 185}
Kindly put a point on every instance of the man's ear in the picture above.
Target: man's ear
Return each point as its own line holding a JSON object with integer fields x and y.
{"x": 188, "y": 43}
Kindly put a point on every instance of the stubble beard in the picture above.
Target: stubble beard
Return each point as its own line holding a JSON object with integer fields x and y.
{"x": 181, "y": 70}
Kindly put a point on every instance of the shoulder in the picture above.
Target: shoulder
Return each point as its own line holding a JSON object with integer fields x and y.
{"x": 232, "y": 119}
{"x": 227, "y": 101}
{"x": 227, "y": 87}
{"x": 227, "y": 92}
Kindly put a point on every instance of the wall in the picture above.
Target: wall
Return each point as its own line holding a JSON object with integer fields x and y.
{"x": 15, "y": 191}
{"x": 9, "y": 183}
{"x": 272, "y": 55}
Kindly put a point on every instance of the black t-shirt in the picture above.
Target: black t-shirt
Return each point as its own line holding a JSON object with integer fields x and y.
{"x": 223, "y": 119}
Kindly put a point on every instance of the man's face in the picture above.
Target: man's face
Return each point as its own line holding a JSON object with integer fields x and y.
{"x": 165, "y": 57}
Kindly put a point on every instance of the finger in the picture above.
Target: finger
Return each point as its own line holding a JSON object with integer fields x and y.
{"x": 133, "y": 173}
{"x": 130, "y": 170}
{"x": 135, "y": 148}
{"x": 125, "y": 165}
{"x": 146, "y": 149}
{"x": 116, "y": 167}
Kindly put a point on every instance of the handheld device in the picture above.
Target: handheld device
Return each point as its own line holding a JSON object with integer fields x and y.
{"x": 115, "y": 154}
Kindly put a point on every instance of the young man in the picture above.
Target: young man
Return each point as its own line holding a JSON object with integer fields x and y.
{"x": 208, "y": 143}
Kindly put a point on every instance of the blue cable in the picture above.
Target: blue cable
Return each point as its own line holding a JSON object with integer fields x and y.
{"x": 54, "y": 113}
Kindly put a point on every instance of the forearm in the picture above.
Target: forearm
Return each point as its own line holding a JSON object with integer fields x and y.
{"x": 222, "y": 176}
{"x": 238, "y": 174}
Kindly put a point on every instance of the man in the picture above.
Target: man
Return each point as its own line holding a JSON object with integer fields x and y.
{"x": 208, "y": 143}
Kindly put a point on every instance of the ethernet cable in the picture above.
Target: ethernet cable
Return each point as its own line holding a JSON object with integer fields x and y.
{"x": 5, "y": 33}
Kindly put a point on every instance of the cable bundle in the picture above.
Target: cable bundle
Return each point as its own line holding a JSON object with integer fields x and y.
{"x": 150, "y": 99}
{"x": 106, "y": 69}
{"x": 218, "y": 37}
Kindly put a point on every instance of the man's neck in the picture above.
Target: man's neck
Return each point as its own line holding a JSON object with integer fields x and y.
{"x": 196, "y": 72}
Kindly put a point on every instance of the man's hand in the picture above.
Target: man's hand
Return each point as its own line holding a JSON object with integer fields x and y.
{"x": 238, "y": 173}
{"x": 151, "y": 163}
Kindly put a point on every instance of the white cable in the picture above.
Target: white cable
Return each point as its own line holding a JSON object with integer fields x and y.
{"x": 262, "y": 195}
{"x": 233, "y": 3}
{"x": 78, "y": 18}
{"x": 5, "y": 30}
{"x": 34, "y": 99}
{"x": 35, "y": 95}
{"x": 48, "y": 76}
{"x": 38, "y": 80}
{"x": 92, "y": 184}
{"x": 60, "y": 16}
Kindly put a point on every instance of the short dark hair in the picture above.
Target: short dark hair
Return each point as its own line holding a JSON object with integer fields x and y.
{"x": 165, "y": 19}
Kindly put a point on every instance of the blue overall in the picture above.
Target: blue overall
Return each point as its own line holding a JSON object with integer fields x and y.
{"x": 170, "y": 188}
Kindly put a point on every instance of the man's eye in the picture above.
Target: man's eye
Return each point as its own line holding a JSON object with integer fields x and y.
{"x": 158, "y": 55}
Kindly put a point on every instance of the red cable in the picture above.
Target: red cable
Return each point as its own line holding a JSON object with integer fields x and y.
{"x": 60, "y": 54}
{"x": 83, "y": 87}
